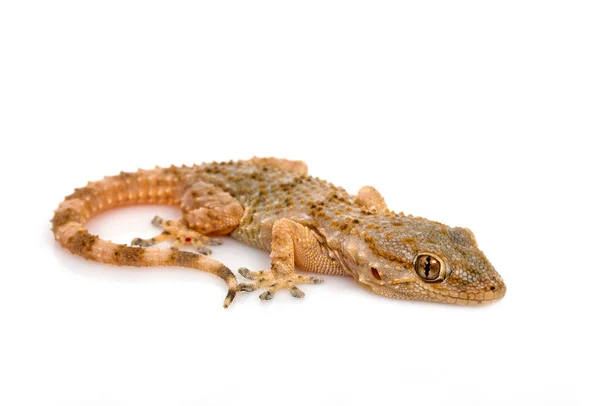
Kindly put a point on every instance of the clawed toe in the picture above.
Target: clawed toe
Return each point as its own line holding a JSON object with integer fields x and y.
{"x": 142, "y": 242}
{"x": 245, "y": 272}
{"x": 315, "y": 280}
{"x": 246, "y": 287}
{"x": 267, "y": 295}
{"x": 252, "y": 275}
{"x": 297, "y": 293}
{"x": 137, "y": 242}
{"x": 204, "y": 250}
{"x": 157, "y": 221}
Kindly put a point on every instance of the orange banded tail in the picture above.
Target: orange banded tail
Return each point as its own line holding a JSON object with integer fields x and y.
{"x": 161, "y": 186}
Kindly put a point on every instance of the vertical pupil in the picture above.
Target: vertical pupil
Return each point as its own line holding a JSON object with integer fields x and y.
{"x": 429, "y": 267}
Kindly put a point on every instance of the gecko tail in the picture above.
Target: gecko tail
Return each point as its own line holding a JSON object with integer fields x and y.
{"x": 128, "y": 189}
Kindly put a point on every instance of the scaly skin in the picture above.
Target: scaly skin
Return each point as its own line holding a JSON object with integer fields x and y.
{"x": 303, "y": 221}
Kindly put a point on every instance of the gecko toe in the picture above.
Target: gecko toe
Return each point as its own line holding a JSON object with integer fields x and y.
{"x": 157, "y": 221}
{"x": 140, "y": 242}
{"x": 136, "y": 242}
{"x": 204, "y": 251}
{"x": 248, "y": 274}
{"x": 267, "y": 295}
{"x": 246, "y": 287}
{"x": 295, "y": 292}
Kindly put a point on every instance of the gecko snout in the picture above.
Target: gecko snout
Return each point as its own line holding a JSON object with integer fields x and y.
{"x": 498, "y": 288}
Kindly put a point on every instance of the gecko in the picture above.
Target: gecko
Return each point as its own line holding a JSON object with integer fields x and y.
{"x": 303, "y": 221}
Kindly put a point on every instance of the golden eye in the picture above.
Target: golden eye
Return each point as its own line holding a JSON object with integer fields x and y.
{"x": 430, "y": 268}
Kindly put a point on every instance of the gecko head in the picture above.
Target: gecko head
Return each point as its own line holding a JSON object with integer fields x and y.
{"x": 415, "y": 258}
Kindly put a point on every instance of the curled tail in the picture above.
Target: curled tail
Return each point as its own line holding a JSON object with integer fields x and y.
{"x": 160, "y": 186}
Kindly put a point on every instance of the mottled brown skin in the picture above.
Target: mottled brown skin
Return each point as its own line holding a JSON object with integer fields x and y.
{"x": 303, "y": 221}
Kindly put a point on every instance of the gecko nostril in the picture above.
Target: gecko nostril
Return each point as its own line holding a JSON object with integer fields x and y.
{"x": 492, "y": 288}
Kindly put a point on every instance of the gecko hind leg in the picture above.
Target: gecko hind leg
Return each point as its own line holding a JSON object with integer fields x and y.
{"x": 180, "y": 233}
{"x": 207, "y": 211}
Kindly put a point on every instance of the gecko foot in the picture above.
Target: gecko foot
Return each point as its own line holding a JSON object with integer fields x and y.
{"x": 274, "y": 282}
{"x": 180, "y": 233}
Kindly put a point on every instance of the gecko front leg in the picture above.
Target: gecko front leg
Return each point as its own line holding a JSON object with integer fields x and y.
{"x": 292, "y": 244}
{"x": 207, "y": 211}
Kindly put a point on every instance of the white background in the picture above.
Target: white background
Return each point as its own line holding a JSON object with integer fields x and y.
{"x": 471, "y": 113}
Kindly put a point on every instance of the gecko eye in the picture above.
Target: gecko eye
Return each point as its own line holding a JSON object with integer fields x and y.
{"x": 430, "y": 268}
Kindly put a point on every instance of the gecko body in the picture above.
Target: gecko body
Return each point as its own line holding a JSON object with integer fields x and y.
{"x": 301, "y": 220}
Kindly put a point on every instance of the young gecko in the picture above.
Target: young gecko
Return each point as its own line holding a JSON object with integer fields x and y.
{"x": 274, "y": 205}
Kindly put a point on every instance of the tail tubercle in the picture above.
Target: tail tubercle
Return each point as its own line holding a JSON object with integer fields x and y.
{"x": 126, "y": 189}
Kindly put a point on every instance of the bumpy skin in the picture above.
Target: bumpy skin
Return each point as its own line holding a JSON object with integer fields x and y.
{"x": 303, "y": 221}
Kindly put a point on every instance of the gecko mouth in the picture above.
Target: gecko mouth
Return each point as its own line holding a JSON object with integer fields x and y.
{"x": 428, "y": 293}
{"x": 494, "y": 294}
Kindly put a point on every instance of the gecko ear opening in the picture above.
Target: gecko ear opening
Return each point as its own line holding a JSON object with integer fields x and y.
{"x": 375, "y": 273}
